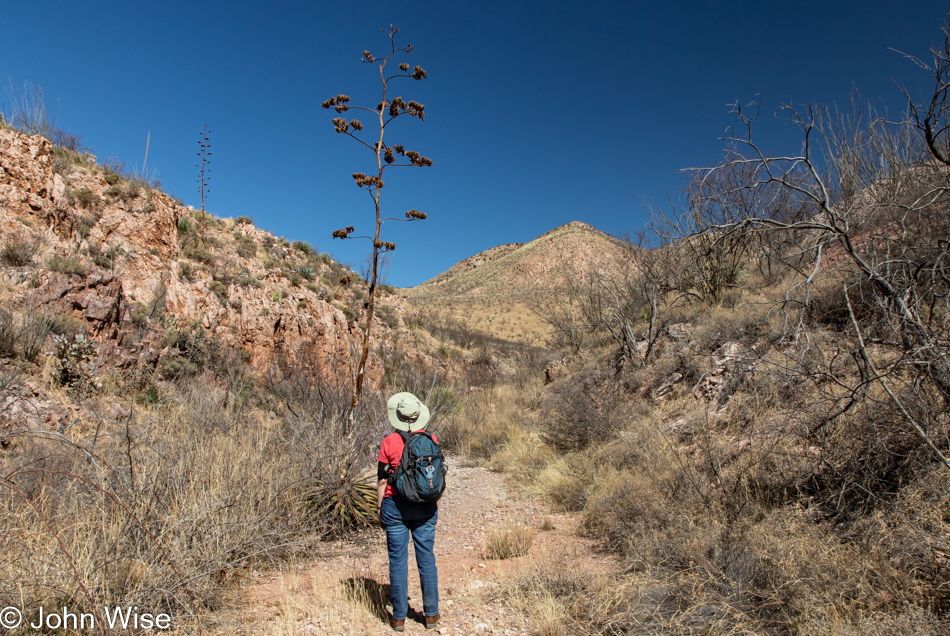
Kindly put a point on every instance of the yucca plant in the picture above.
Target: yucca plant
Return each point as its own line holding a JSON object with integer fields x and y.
{"x": 305, "y": 271}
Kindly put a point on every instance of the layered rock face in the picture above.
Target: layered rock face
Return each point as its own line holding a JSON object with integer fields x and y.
{"x": 125, "y": 262}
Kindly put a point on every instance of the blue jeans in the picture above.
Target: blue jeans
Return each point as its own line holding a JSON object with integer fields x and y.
{"x": 400, "y": 518}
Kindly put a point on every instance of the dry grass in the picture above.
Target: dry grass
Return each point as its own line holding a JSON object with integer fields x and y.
{"x": 509, "y": 541}
{"x": 163, "y": 507}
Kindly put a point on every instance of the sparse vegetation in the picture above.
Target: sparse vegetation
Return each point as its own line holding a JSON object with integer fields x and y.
{"x": 68, "y": 264}
{"x": 508, "y": 542}
{"x": 747, "y": 409}
{"x": 19, "y": 250}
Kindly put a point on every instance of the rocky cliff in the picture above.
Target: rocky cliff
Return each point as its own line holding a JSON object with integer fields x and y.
{"x": 103, "y": 255}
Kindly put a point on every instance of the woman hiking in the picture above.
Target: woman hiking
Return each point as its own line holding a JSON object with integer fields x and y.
{"x": 401, "y": 518}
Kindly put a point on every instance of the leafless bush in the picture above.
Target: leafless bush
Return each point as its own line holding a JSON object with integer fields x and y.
{"x": 7, "y": 335}
{"x": 335, "y": 451}
{"x": 31, "y": 110}
{"x": 19, "y": 250}
{"x": 580, "y": 411}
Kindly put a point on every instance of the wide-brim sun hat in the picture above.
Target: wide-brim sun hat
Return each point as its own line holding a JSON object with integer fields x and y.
{"x": 407, "y": 412}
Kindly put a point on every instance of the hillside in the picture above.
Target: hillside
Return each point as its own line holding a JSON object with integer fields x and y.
{"x": 495, "y": 290}
{"x": 120, "y": 261}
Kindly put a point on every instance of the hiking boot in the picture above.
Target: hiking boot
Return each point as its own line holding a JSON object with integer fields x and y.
{"x": 432, "y": 621}
{"x": 398, "y": 626}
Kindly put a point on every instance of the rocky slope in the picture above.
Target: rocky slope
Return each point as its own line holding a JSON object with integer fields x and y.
{"x": 496, "y": 291}
{"x": 537, "y": 265}
{"x": 108, "y": 257}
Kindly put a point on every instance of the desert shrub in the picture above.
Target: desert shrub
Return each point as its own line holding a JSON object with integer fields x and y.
{"x": 244, "y": 220}
{"x": 199, "y": 254}
{"x": 631, "y": 511}
{"x": 85, "y": 223}
{"x": 19, "y": 250}
{"x": 66, "y": 325}
{"x": 74, "y": 359}
{"x": 246, "y": 279}
{"x": 387, "y": 315}
{"x": 187, "y": 271}
{"x": 189, "y": 349}
{"x": 509, "y": 541}
{"x": 69, "y": 264}
{"x": 115, "y": 191}
{"x": 307, "y": 272}
{"x": 220, "y": 290}
{"x": 581, "y": 410}
{"x": 303, "y": 246}
{"x": 563, "y": 601}
{"x": 7, "y": 335}
{"x": 225, "y": 490}
{"x": 348, "y": 312}
{"x": 85, "y": 197}
{"x": 32, "y": 334}
{"x": 111, "y": 178}
{"x": 133, "y": 189}
{"x": 69, "y": 142}
{"x": 334, "y": 452}
{"x": 247, "y": 247}
{"x": 104, "y": 258}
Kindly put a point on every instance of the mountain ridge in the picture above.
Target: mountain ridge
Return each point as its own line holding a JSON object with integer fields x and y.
{"x": 534, "y": 265}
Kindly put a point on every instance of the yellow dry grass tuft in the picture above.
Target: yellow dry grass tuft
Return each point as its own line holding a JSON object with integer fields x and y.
{"x": 509, "y": 541}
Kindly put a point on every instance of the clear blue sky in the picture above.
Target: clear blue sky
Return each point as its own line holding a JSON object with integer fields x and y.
{"x": 537, "y": 113}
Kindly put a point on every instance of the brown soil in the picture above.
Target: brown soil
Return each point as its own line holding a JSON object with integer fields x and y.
{"x": 344, "y": 590}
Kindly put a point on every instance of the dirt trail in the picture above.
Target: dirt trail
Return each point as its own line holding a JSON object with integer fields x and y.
{"x": 344, "y": 591}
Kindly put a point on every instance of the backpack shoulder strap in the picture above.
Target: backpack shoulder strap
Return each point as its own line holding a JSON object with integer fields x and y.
{"x": 405, "y": 448}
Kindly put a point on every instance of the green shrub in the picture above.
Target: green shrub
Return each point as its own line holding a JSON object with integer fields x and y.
{"x": 247, "y": 247}
{"x": 104, "y": 258}
{"x": 387, "y": 315}
{"x": 199, "y": 254}
{"x": 133, "y": 189}
{"x": 348, "y": 312}
{"x": 303, "y": 246}
{"x": 305, "y": 271}
{"x": 66, "y": 265}
{"x": 66, "y": 325}
{"x": 85, "y": 197}
{"x": 220, "y": 290}
{"x": 111, "y": 178}
{"x": 245, "y": 220}
{"x": 18, "y": 251}
{"x": 187, "y": 271}
{"x": 246, "y": 279}
{"x": 86, "y": 223}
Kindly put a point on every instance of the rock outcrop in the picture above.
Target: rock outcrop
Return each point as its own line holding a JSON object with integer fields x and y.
{"x": 113, "y": 255}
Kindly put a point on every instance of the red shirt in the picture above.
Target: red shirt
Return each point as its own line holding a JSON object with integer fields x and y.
{"x": 390, "y": 452}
